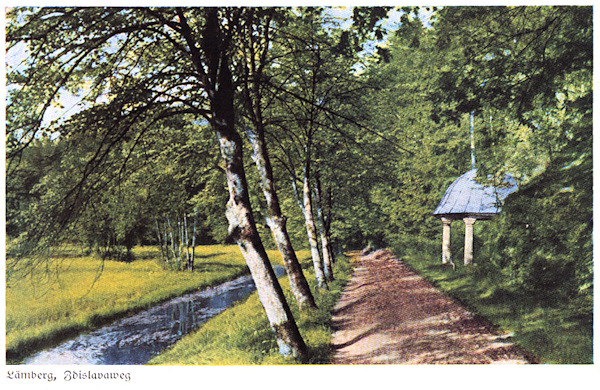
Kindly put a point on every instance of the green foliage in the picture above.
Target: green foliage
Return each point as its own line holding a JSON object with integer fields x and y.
{"x": 404, "y": 185}
{"x": 515, "y": 57}
{"x": 540, "y": 130}
{"x": 534, "y": 262}
{"x": 543, "y": 242}
{"x": 26, "y": 185}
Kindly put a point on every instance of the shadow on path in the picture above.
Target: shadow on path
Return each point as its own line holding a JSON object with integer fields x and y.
{"x": 389, "y": 314}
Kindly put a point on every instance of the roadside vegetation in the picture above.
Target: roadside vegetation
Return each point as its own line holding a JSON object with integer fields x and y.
{"x": 241, "y": 335}
{"x": 553, "y": 329}
{"x": 85, "y": 292}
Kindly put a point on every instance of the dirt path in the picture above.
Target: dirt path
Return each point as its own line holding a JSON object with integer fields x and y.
{"x": 389, "y": 314}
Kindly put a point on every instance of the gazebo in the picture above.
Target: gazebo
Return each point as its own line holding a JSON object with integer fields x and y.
{"x": 470, "y": 201}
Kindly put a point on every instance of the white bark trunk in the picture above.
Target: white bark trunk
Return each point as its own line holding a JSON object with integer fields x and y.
{"x": 220, "y": 90}
{"x": 327, "y": 255}
{"x": 173, "y": 246}
{"x": 160, "y": 244}
{"x": 311, "y": 231}
{"x": 243, "y": 229}
{"x": 187, "y": 243}
{"x": 193, "y": 255}
{"x": 277, "y": 222}
{"x": 166, "y": 242}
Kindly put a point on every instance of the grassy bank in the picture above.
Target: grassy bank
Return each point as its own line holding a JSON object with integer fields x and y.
{"x": 241, "y": 335}
{"x": 83, "y": 293}
{"x": 542, "y": 325}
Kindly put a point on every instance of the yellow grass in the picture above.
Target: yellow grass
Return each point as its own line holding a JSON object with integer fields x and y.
{"x": 87, "y": 292}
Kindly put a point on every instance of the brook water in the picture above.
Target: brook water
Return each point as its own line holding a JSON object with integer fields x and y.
{"x": 136, "y": 339}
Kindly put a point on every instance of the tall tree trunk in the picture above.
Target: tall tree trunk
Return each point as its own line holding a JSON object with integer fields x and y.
{"x": 327, "y": 262}
{"x": 325, "y": 247}
{"x": 166, "y": 241}
{"x": 173, "y": 246}
{"x": 187, "y": 243}
{"x": 243, "y": 229}
{"x": 160, "y": 243}
{"x": 328, "y": 217}
{"x": 193, "y": 256}
{"x": 255, "y": 51}
{"x": 180, "y": 244}
{"x": 277, "y": 221}
{"x": 242, "y": 226}
{"x": 212, "y": 63}
{"x": 311, "y": 231}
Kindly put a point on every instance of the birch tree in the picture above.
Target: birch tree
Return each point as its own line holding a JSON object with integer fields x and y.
{"x": 255, "y": 59}
{"x": 312, "y": 78}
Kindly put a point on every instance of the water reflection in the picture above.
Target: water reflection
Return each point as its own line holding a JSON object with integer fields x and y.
{"x": 182, "y": 315}
{"x": 136, "y": 339}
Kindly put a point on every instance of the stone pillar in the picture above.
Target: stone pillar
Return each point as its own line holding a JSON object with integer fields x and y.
{"x": 469, "y": 222}
{"x": 446, "y": 253}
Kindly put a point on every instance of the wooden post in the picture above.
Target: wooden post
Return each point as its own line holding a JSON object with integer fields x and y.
{"x": 446, "y": 252}
{"x": 469, "y": 222}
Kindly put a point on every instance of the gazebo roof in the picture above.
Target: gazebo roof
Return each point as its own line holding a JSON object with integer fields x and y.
{"x": 467, "y": 198}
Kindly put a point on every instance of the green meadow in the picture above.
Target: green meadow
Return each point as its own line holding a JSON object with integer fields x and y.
{"x": 83, "y": 292}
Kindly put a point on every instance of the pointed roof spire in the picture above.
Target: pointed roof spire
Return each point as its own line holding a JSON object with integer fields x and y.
{"x": 472, "y": 142}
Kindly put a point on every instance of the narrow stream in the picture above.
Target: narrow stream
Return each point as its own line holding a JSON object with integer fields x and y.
{"x": 136, "y": 339}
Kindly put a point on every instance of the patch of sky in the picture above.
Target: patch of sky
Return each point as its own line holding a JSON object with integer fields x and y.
{"x": 68, "y": 105}
{"x": 17, "y": 58}
{"x": 390, "y": 25}
{"x": 343, "y": 15}
{"x": 202, "y": 122}
{"x": 338, "y": 17}
{"x": 21, "y": 15}
{"x": 342, "y": 18}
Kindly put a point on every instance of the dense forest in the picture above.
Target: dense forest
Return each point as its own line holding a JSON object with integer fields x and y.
{"x": 301, "y": 128}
